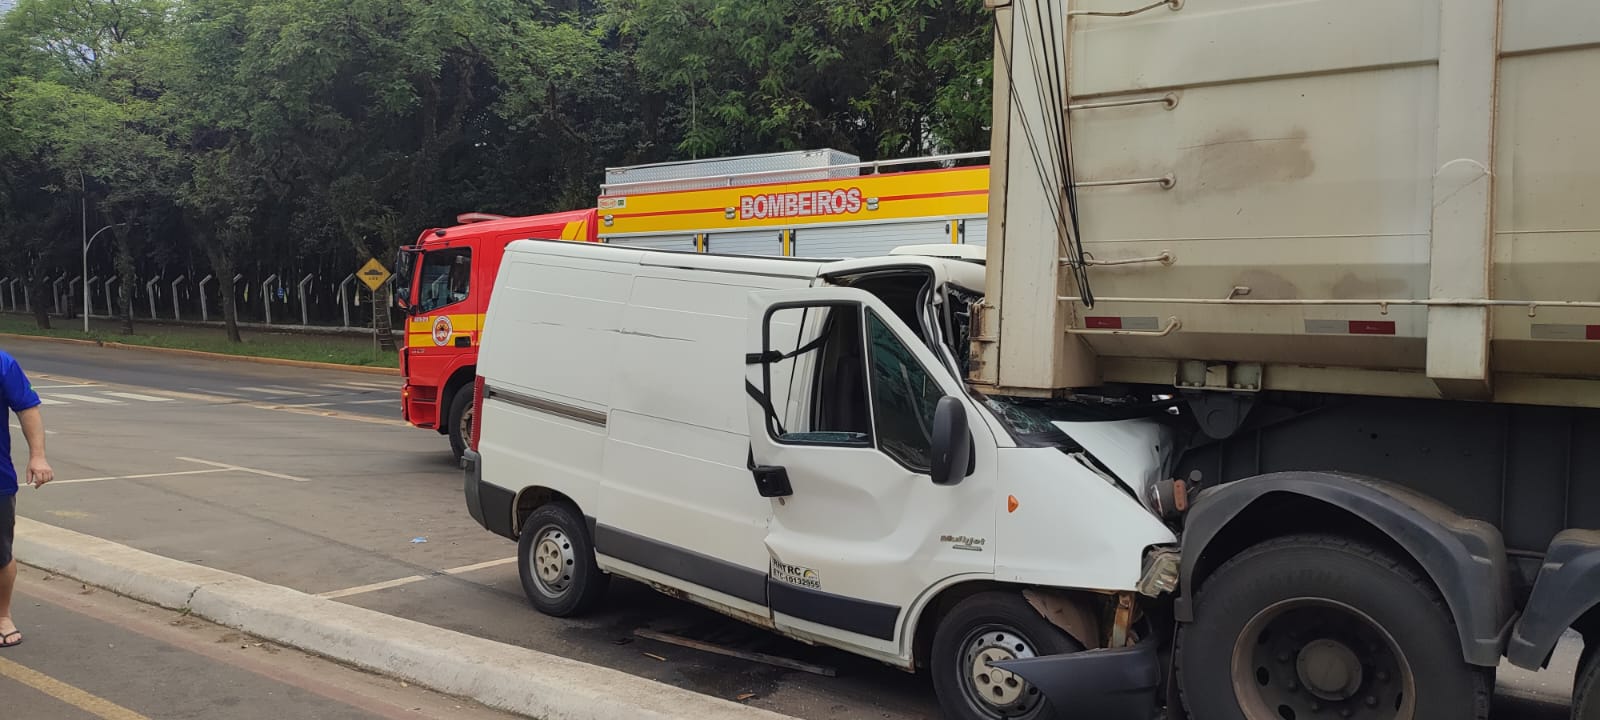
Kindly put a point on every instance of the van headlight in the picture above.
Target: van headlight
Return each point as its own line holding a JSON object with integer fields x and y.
{"x": 1160, "y": 571}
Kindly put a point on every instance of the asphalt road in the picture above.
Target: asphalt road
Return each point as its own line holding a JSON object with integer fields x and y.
{"x": 91, "y": 655}
{"x": 325, "y": 491}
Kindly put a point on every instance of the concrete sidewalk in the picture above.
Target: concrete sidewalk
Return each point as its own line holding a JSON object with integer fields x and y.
{"x": 500, "y": 676}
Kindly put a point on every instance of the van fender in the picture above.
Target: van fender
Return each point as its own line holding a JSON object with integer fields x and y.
{"x": 1568, "y": 587}
{"x": 1465, "y": 559}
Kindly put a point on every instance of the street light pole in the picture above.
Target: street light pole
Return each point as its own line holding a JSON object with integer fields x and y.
{"x": 87, "y": 243}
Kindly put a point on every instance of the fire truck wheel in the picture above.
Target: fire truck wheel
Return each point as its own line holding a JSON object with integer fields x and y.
{"x": 1311, "y": 626}
{"x": 983, "y": 629}
{"x": 460, "y": 421}
{"x": 556, "y": 560}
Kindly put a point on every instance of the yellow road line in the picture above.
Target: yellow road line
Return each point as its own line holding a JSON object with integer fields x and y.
{"x": 92, "y": 704}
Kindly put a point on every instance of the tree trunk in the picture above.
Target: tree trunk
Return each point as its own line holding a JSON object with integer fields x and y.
{"x": 125, "y": 283}
{"x": 34, "y": 287}
{"x": 222, "y": 265}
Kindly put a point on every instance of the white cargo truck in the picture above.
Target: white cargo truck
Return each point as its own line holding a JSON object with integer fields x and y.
{"x": 1277, "y": 395}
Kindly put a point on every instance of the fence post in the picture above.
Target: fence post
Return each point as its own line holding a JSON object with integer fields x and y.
{"x": 175, "y": 314}
{"x": 205, "y": 312}
{"x": 344, "y": 302}
{"x": 266, "y": 296}
{"x": 150, "y": 291}
{"x": 12, "y": 282}
{"x": 88, "y": 299}
{"x": 305, "y": 316}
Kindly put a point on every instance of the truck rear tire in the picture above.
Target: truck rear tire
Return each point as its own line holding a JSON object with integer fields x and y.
{"x": 555, "y": 558}
{"x": 1586, "y": 688}
{"x": 459, "y": 420}
{"x": 1312, "y": 626}
{"x": 992, "y": 627}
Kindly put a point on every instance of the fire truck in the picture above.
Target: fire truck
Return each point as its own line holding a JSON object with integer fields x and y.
{"x": 443, "y": 283}
{"x": 812, "y": 203}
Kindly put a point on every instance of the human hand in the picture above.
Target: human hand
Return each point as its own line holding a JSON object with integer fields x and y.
{"x": 39, "y": 472}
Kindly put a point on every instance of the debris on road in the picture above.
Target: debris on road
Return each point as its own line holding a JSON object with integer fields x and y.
{"x": 654, "y": 656}
{"x": 418, "y": 540}
{"x": 782, "y": 662}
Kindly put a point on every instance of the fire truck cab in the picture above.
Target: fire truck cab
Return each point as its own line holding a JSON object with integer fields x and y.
{"x": 444, "y": 281}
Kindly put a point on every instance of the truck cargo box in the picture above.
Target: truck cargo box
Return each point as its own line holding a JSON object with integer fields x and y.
{"x": 1376, "y": 197}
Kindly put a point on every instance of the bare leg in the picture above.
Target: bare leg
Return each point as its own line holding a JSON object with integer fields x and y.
{"x": 8, "y": 580}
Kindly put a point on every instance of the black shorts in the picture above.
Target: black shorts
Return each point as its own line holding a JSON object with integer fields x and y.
{"x": 8, "y": 527}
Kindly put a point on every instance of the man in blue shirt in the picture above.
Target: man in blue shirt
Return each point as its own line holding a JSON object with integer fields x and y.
{"x": 18, "y": 395}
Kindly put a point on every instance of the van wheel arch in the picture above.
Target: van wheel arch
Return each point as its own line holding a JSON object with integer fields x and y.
{"x": 927, "y": 622}
{"x": 537, "y": 496}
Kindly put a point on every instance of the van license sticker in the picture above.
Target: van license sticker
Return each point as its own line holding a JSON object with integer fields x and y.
{"x": 796, "y": 575}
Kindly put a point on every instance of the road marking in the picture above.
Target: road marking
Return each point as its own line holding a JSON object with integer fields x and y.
{"x": 241, "y": 468}
{"x": 344, "y": 386}
{"x": 88, "y": 399}
{"x": 137, "y": 396}
{"x": 62, "y": 387}
{"x": 274, "y": 391}
{"x": 92, "y": 704}
{"x": 407, "y": 580}
{"x": 311, "y": 405}
{"x": 373, "y": 384}
{"x": 15, "y": 426}
{"x": 140, "y": 477}
{"x": 217, "y": 392}
{"x": 347, "y": 592}
{"x": 370, "y": 402}
{"x": 48, "y": 401}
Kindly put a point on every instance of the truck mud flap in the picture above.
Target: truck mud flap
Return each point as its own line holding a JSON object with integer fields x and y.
{"x": 1111, "y": 684}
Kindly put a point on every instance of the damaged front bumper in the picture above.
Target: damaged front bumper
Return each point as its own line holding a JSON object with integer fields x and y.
{"x": 1111, "y": 684}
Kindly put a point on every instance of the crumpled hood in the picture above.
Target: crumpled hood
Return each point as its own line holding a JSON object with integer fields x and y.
{"x": 1137, "y": 451}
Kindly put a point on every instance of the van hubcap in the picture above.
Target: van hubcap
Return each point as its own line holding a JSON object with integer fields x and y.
{"x": 552, "y": 561}
{"x": 991, "y": 690}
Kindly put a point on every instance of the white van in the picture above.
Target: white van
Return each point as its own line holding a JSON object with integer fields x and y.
{"x": 790, "y": 442}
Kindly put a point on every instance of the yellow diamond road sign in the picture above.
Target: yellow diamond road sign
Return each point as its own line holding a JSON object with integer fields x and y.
{"x": 374, "y": 274}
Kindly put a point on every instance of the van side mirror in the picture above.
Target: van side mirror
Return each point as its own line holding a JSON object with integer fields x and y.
{"x": 952, "y": 443}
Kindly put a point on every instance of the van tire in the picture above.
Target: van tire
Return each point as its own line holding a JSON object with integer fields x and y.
{"x": 1586, "y": 689}
{"x": 1318, "y": 626}
{"x": 460, "y": 408}
{"x": 992, "y": 626}
{"x": 555, "y": 558}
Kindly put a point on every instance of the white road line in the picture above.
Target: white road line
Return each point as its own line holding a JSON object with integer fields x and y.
{"x": 370, "y": 402}
{"x": 409, "y": 579}
{"x": 374, "y": 385}
{"x": 15, "y": 426}
{"x": 217, "y": 392}
{"x": 480, "y": 566}
{"x": 308, "y": 405}
{"x": 88, "y": 399}
{"x": 274, "y": 391}
{"x": 342, "y": 386}
{"x": 63, "y": 387}
{"x": 137, "y": 396}
{"x": 49, "y": 401}
{"x": 347, "y": 592}
{"x": 241, "y": 468}
{"x": 139, "y": 477}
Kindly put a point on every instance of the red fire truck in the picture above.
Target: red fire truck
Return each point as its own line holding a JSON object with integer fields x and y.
{"x": 443, "y": 283}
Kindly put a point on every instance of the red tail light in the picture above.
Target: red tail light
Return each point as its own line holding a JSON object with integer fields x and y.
{"x": 477, "y": 413}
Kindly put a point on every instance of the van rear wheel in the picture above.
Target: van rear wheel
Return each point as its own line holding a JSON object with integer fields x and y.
{"x": 981, "y": 630}
{"x": 555, "y": 557}
{"x": 1319, "y": 626}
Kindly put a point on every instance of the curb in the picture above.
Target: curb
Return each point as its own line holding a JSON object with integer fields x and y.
{"x": 501, "y": 676}
{"x": 308, "y": 364}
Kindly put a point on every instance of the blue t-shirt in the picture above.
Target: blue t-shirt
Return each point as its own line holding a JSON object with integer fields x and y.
{"x": 18, "y": 394}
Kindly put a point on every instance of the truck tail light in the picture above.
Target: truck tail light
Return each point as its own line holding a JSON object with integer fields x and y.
{"x": 477, "y": 413}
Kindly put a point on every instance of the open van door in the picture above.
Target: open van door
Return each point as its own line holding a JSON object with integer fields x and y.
{"x": 860, "y": 436}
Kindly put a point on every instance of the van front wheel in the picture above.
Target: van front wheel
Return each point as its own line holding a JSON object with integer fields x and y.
{"x": 556, "y": 560}
{"x": 982, "y": 630}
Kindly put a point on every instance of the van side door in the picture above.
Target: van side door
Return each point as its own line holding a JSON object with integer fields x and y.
{"x": 845, "y": 404}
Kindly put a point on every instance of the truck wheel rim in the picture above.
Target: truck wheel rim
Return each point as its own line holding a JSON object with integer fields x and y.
{"x": 989, "y": 690}
{"x": 1313, "y": 657}
{"x": 466, "y": 424}
{"x": 552, "y": 561}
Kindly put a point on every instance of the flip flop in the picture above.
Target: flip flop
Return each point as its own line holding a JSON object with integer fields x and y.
{"x": 6, "y": 641}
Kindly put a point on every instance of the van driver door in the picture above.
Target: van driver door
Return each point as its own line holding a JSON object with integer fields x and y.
{"x": 843, "y": 398}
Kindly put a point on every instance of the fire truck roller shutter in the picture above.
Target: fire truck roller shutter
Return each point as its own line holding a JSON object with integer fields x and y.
{"x": 867, "y": 240}
{"x": 767, "y": 241}
{"x": 977, "y": 232}
{"x": 678, "y": 243}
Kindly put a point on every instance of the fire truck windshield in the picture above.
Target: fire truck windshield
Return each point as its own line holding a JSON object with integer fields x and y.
{"x": 446, "y": 278}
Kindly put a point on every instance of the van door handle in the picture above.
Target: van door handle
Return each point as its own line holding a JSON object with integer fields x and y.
{"x": 772, "y": 481}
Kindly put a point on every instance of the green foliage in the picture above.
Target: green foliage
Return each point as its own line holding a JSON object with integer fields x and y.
{"x": 293, "y": 136}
